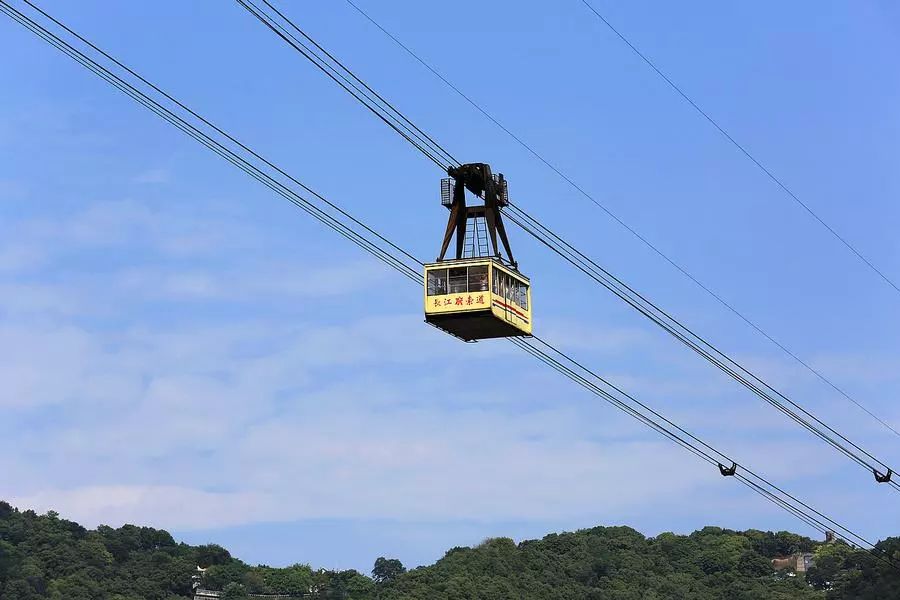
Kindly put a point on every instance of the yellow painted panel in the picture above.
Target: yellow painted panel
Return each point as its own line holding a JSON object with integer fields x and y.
{"x": 512, "y": 313}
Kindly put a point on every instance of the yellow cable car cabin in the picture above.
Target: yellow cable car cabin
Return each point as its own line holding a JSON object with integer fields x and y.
{"x": 477, "y": 299}
{"x": 478, "y": 295}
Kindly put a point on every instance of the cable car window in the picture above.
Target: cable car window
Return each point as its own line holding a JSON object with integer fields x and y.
{"x": 458, "y": 280}
{"x": 437, "y": 282}
{"x": 523, "y": 296}
{"x": 478, "y": 279}
{"x": 497, "y": 276}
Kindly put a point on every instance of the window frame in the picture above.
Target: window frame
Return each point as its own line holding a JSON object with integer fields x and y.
{"x": 429, "y": 289}
{"x": 464, "y": 278}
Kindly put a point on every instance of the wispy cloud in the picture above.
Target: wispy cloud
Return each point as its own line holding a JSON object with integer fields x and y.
{"x": 12, "y": 190}
{"x": 236, "y": 414}
{"x": 19, "y": 258}
{"x": 153, "y": 176}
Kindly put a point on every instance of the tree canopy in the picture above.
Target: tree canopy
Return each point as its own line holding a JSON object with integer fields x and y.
{"x": 387, "y": 570}
{"x": 44, "y": 556}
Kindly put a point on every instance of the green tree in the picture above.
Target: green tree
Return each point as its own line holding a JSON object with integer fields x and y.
{"x": 234, "y": 591}
{"x": 18, "y": 589}
{"x": 387, "y": 570}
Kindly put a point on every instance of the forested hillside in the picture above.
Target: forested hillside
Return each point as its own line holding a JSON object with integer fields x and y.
{"x": 43, "y": 556}
{"x": 618, "y": 563}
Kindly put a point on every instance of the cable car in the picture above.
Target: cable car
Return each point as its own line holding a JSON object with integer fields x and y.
{"x": 477, "y": 299}
{"x": 480, "y": 294}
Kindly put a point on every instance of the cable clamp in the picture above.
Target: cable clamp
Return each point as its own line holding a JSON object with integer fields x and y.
{"x": 882, "y": 478}
{"x": 728, "y": 471}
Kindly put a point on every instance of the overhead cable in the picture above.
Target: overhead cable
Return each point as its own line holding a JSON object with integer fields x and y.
{"x": 640, "y": 237}
{"x": 340, "y": 74}
{"x": 408, "y": 265}
{"x": 745, "y": 152}
{"x": 698, "y": 344}
{"x": 589, "y": 267}
{"x": 220, "y": 147}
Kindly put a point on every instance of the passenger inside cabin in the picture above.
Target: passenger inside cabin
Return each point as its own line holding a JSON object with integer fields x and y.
{"x": 458, "y": 280}
{"x": 437, "y": 282}
{"x": 478, "y": 279}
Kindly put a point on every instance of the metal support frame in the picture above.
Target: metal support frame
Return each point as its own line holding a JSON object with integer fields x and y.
{"x": 478, "y": 179}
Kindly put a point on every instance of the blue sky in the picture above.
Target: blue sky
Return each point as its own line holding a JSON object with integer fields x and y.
{"x": 180, "y": 348}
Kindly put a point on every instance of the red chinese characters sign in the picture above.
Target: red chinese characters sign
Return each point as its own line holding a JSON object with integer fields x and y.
{"x": 459, "y": 301}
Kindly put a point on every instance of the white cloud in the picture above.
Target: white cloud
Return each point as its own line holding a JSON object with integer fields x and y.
{"x": 333, "y": 474}
{"x": 245, "y": 282}
{"x": 571, "y": 335}
{"x": 19, "y": 258}
{"x": 11, "y": 190}
{"x": 39, "y": 366}
{"x": 42, "y": 299}
{"x": 154, "y": 176}
{"x": 147, "y": 402}
{"x": 860, "y": 370}
{"x": 210, "y": 420}
{"x": 168, "y": 230}
{"x": 290, "y": 442}
{"x": 169, "y": 506}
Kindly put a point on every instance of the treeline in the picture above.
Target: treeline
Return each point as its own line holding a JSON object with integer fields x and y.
{"x": 618, "y": 563}
{"x": 43, "y": 556}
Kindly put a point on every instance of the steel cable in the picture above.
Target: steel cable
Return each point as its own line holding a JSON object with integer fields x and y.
{"x": 638, "y": 410}
{"x": 590, "y": 268}
{"x": 637, "y": 235}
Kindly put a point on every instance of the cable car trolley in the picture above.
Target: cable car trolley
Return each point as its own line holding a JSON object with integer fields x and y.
{"x": 480, "y": 294}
